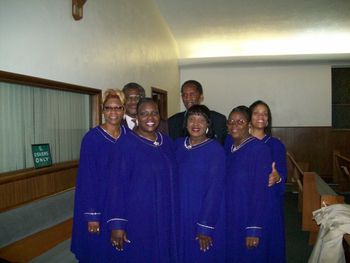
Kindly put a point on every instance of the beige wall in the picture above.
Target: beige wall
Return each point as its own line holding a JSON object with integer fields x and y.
{"x": 116, "y": 42}
{"x": 299, "y": 94}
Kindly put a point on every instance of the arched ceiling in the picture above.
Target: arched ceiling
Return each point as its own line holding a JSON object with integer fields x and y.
{"x": 236, "y": 28}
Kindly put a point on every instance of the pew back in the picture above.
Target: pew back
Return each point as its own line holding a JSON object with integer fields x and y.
{"x": 317, "y": 193}
{"x": 341, "y": 168}
{"x": 297, "y": 174}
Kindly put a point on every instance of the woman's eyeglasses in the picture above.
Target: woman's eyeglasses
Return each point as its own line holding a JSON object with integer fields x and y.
{"x": 239, "y": 122}
{"x": 117, "y": 108}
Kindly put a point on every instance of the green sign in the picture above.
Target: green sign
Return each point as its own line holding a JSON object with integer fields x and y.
{"x": 41, "y": 155}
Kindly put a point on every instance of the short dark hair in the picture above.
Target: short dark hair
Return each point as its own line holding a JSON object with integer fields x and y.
{"x": 195, "y": 83}
{"x": 134, "y": 85}
{"x": 268, "y": 128}
{"x": 203, "y": 111}
{"x": 244, "y": 110}
{"x": 145, "y": 100}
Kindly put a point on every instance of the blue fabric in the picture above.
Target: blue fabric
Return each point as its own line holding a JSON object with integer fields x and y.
{"x": 247, "y": 196}
{"x": 277, "y": 238}
{"x": 278, "y": 153}
{"x": 98, "y": 150}
{"x": 201, "y": 176}
{"x": 144, "y": 195}
{"x": 228, "y": 143}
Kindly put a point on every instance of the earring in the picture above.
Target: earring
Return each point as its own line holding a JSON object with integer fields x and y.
{"x": 207, "y": 130}
{"x": 250, "y": 129}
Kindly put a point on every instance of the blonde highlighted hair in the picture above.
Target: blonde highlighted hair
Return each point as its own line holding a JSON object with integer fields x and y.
{"x": 113, "y": 93}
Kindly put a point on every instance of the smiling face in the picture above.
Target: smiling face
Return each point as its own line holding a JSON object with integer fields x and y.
{"x": 148, "y": 118}
{"x": 197, "y": 126}
{"x": 113, "y": 111}
{"x": 191, "y": 96}
{"x": 132, "y": 97}
{"x": 238, "y": 126}
{"x": 260, "y": 117}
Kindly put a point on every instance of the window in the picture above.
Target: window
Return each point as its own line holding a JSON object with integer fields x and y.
{"x": 341, "y": 98}
{"x": 36, "y": 111}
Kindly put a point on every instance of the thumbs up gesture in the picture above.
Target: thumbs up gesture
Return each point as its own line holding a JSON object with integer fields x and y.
{"x": 274, "y": 176}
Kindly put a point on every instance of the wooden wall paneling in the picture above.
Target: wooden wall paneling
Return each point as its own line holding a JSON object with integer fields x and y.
{"x": 31, "y": 184}
{"x": 314, "y": 145}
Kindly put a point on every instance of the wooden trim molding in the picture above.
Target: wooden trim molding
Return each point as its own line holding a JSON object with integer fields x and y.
{"x": 96, "y": 94}
{"x": 45, "y": 83}
{"x": 31, "y": 172}
{"x": 23, "y": 186}
{"x": 33, "y": 246}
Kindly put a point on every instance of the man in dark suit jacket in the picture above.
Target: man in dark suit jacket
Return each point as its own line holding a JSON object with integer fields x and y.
{"x": 192, "y": 93}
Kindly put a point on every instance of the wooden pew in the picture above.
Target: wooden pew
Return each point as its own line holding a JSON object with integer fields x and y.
{"x": 316, "y": 194}
{"x": 296, "y": 175}
{"x": 346, "y": 247}
{"x": 341, "y": 168}
{"x": 29, "y": 230}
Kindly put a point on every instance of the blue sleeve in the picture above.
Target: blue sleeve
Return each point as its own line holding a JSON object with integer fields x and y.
{"x": 119, "y": 181}
{"x": 279, "y": 157}
{"x": 86, "y": 190}
{"x": 228, "y": 143}
{"x": 261, "y": 168}
{"x": 213, "y": 200}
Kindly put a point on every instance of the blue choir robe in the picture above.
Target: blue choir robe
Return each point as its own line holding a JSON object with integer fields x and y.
{"x": 247, "y": 196}
{"x": 228, "y": 143}
{"x": 277, "y": 237}
{"x": 142, "y": 201}
{"x": 96, "y": 152}
{"x": 201, "y": 185}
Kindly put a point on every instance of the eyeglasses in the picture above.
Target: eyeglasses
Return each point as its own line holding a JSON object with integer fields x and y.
{"x": 144, "y": 114}
{"x": 117, "y": 108}
{"x": 239, "y": 122}
{"x": 135, "y": 98}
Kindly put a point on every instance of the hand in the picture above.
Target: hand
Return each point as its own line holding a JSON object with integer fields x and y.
{"x": 118, "y": 237}
{"x": 205, "y": 242}
{"x": 274, "y": 176}
{"x": 94, "y": 227}
{"x": 252, "y": 242}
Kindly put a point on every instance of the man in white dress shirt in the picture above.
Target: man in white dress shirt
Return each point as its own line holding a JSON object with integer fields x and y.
{"x": 133, "y": 93}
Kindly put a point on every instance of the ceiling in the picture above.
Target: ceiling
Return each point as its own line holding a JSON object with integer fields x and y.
{"x": 239, "y": 28}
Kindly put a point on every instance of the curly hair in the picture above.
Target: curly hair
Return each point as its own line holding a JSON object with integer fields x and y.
{"x": 113, "y": 93}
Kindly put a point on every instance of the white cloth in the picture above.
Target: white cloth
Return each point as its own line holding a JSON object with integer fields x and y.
{"x": 334, "y": 221}
{"x": 130, "y": 121}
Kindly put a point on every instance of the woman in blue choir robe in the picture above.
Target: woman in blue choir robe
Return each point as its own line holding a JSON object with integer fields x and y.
{"x": 99, "y": 145}
{"x": 247, "y": 192}
{"x": 141, "y": 210}
{"x": 201, "y": 163}
{"x": 261, "y": 124}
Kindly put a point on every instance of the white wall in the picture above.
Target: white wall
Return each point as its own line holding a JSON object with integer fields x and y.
{"x": 298, "y": 94}
{"x": 116, "y": 42}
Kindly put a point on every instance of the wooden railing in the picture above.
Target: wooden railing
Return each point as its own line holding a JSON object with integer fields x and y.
{"x": 296, "y": 176}
{"x": 317, "y": 193}
{"x": 341, "y": 168}
{"x": 24, "y": 186}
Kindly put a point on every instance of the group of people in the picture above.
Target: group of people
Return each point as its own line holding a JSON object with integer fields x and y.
{"x": 194, "y": 188}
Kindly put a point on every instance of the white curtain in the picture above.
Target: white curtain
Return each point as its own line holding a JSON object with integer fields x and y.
{"x": 36, "y": 115}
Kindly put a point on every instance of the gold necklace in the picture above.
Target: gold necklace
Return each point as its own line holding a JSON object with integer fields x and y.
{"x": 244, "y": 142}
{"x": 155, "y": 141}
